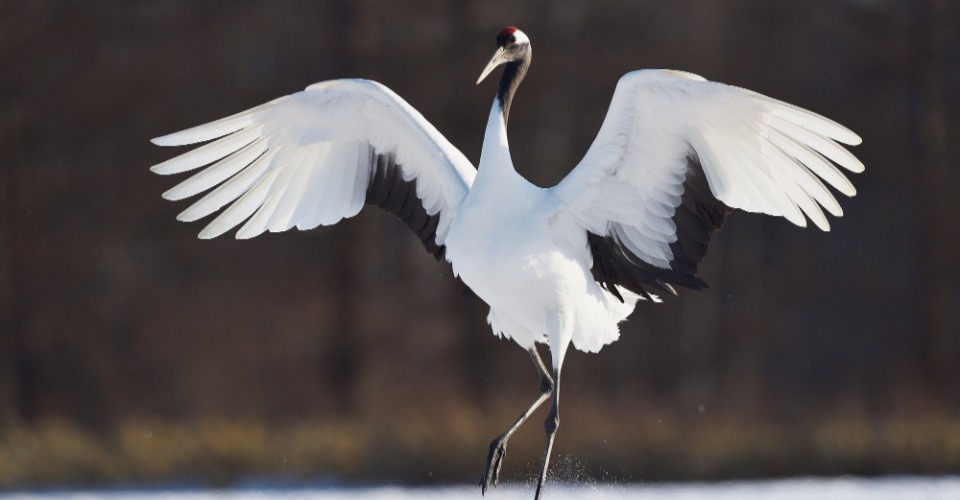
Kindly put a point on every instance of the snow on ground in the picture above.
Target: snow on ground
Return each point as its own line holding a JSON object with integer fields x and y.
{"x": 844, "y": 488}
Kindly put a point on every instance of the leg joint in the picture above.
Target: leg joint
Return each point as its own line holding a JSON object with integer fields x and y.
{"x": 552, "y": 422}
{"x": 546, "y": 385}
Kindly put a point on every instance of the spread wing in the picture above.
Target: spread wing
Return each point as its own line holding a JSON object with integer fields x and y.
{"x": 315, "y": 157}
{"x": 674, "y": 155}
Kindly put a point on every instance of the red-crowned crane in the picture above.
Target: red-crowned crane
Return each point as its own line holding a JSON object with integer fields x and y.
{"x": 561, "y": 265}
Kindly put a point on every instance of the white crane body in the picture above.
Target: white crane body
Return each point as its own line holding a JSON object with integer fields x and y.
{"x": 504, "y": 246}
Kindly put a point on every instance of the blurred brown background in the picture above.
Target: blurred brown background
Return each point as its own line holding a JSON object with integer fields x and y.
{"x": 130, "y": 350}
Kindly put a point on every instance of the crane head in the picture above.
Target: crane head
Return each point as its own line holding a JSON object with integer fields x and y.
{"x": 512, "y": 45}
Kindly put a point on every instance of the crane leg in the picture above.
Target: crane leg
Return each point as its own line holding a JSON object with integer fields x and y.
{"x": 498, "y": 447}
{"x": 550, "y": 425}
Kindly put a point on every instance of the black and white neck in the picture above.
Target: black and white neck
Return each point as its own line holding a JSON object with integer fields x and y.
{"x": 515, "y": 53}
{"x": 513, "y": 73}
{"x": 496, "y": 174}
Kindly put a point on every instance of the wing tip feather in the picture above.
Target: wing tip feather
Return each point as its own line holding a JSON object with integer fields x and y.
{"x": 163, "y": 140}
{"x": 853, "y": 140}
{"x": 159, "y": 170}
{"x": 185, "y": 137}
{"x": 207, "y": 234}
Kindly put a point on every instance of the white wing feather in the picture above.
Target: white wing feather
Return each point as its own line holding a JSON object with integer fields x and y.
{"x": 758, "y": 154}
{"x": 303, "y": 160}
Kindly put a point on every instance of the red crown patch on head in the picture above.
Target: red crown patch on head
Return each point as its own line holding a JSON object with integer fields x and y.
{"x": 505, "y": 34}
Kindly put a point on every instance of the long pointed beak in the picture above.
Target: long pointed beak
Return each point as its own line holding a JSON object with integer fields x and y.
{"x": 499, "y": 57}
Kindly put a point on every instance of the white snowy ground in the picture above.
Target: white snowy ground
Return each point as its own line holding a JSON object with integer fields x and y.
{"x": 887, "y": 488}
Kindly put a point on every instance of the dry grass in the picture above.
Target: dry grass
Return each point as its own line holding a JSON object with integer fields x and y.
{"x": 452, "y": 449}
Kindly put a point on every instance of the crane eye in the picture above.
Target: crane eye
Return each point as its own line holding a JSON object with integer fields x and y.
{"x": 513, "y": 39}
